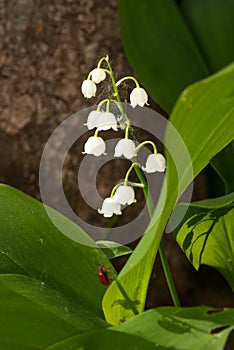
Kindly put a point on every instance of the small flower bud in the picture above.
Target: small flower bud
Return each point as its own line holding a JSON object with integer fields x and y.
{"x": 110, "y": 207}
{"x": 138, "y": 97}
{"x": 98, "y": 75}
{"x": 88, "y": 88}
{"x": 155, "y": 162}
{"x": 124, "y": 195}
{"x": 94, "y": 145}
{"x": 125, "y": 148}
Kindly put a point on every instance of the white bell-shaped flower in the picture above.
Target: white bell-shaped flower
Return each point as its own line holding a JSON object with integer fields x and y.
{"x": 138, "y": 97}
{"x": 94, "y": 145}
{"x": 92, "y": 121}
{"x": 125, "y": 148}
{"x": 124, "y": 195}
{"x": 107, "y": 121}
{"x": 88, "y": 88}
{"x": 98, "y": 75}
{"x": 101, "y": 121}
{"x": 110, "y": 207}
{"x": 155, "y": 162}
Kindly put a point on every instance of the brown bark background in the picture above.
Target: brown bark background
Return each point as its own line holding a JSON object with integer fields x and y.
{"x": 47, "y": 49}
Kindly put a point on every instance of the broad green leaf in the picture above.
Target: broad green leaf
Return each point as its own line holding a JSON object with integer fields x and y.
{"x": 204, "y": 118}
{"x": 113, "y": 249}
{"x": 160, "y": 48}
{"x": 109, "y": 340}
{"x": 224, "y": 166}
{"x": 206, "y": 234}
{"x": 33, "y": 245}
{"x": 163, "y": 328}
{"x": 9, "y": 266}
{"x": 180, "y": 44}
{"x": 211, "y": 23}
{"x": 33, "y": 316}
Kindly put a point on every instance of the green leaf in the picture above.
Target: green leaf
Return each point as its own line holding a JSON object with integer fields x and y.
{"x": 164, "y": 55}
{"x": 33, "y": 316}
{"x": 31, "y": 244}
{"x": 163, "y": 328}
{"x": 224, "y": 166}
{"x": 212, "y": 241}
{"x": 179, "y": 45}
{"x": 113, "y": 249}
{"x": 9, "y": 266}
{"x": 210, "y": 101}
{"x": 211, "y": 23}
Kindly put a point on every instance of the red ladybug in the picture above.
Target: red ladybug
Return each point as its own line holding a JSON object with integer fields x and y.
{"x": 103, "y": 275}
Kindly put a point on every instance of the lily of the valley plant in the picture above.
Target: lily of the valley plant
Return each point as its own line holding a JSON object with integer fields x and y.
{"x": 102, "y": 119}
{"x": 123, "y": 193}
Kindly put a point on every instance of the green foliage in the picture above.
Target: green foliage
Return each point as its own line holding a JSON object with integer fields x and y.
{"x": 36, "y": 315}
{"x": 32, "y": 315}
{"x": 160, "y": 48}
{"x": 180, "y": 44}
{"x": 211, "y": 23}
{"x": 212, "y": 99}
{"x": 36, "y": 246}
{"x": 113, "y": 249}
{"x": 204, "y": 117}
{"x": 206, "y": 234}
{"x": 224, "y": 166}
{"x": 50, "y": 294}
{"x": 163, "y": 328}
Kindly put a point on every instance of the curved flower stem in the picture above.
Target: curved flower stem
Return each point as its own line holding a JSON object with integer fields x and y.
{"x": 103, "y": 59}
{"x": 127, "y": 130}
{"x": 128, "y": 173}
{"x": 108, "y": 106}
{"x": 90, "y": 73}
{"x": 136, "y": 184}
{"x": 165, "y": 265}
{"x": 107, "y": 100}
{"x": 116, "y": 90}
{"x": 96, "y": 133}
{"x": 115, "y": 188}
{"x": 133, "y": 184}
{"x": 128, "y": 78}
{"x": 102, "y": 103}
{"x": 145, "y": 143}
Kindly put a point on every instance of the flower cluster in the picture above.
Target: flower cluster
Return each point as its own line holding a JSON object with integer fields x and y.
{"x": 103, "y": 119}
{"x": 124, "y": 195}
